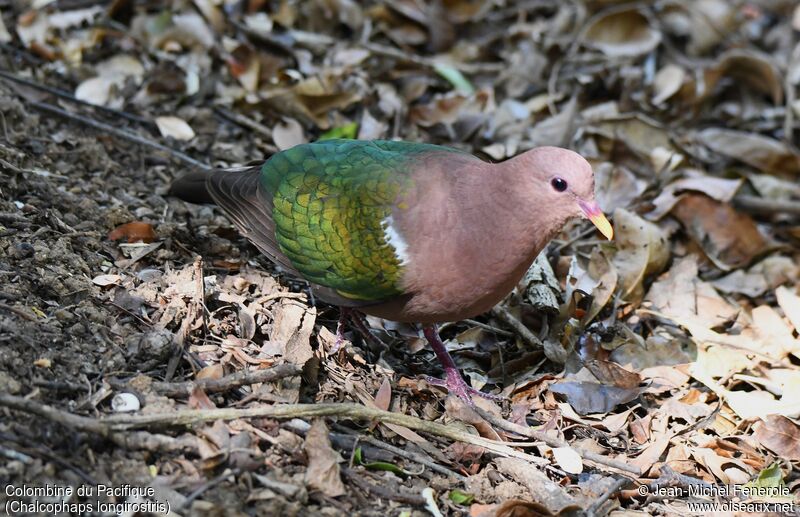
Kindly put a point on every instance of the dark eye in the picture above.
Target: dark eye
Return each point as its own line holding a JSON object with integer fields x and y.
{"x": 559, "y": 184}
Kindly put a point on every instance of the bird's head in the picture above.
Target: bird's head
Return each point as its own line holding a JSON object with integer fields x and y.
{"x": 564, "y": 183}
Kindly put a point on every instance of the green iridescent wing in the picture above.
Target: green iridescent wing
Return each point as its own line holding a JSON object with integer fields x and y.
{"x": 330, "y": 200}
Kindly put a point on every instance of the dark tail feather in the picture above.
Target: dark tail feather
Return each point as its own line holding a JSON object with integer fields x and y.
{"x": 191, "y": 187}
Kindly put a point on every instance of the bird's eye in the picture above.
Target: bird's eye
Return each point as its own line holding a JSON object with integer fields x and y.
{"x": 559, "y": 184}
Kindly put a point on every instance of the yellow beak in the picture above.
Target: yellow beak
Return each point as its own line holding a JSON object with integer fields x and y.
{"x": 595, "y": 215}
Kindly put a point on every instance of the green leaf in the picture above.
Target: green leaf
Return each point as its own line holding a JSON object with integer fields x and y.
{"x": 455, "y": 77}
{"x": 460, "y": 497}
{"x": 377, "y": 465}
{"x": 770, "y": 477}
{"x": 346, "y": 131}
{"x": 357, "y": 456}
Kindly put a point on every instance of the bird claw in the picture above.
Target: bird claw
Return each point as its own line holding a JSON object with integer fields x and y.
{"x": 456, "y": 385}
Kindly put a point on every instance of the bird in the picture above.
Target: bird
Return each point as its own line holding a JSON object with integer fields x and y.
{"x": 406, "y": 231}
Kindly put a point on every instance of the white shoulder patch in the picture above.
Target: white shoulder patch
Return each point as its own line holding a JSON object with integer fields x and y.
{"x": 395, "y": 240}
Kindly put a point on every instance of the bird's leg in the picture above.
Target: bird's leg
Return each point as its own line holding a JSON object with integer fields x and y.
{"x": 344, "y": 315}
{"x": 356, "y": 319}
{"x": 453, "y": 381}
{"x": 360, "y": 323}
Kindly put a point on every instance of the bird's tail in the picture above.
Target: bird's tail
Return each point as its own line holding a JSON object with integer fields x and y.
{"x": 192, "y": 187}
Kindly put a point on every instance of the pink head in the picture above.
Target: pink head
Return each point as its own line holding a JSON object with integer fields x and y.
{"x": 563, "y": 181}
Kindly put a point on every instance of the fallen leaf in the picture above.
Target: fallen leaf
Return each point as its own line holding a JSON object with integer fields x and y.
{"x": 106, "y": 280}
{"x": 729, "y": 238}
{"x": 590, "y": 397}
{"x": 790, "y": 303}
{"x": 780, "y": 435}
{"x": 174, "y": 127}
{"x": 622, "y": 32}
{"x": 323, "y": 471}
{"x": 642, "y": 250}
{"x": 763, "y": 153}
{"x": 568, "y": 459}
{"x": 288, "y": 134}
{"x": 667, "y": 82}
{"x": 136, "y": 231}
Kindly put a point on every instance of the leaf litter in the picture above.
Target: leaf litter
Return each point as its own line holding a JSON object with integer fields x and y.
{"x": 674, "y": 350}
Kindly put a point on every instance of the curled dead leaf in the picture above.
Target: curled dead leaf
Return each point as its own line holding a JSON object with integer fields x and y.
{"x": 642, "y": 250}
{"x": 761, "y": 152}
{"x": 729, "y": 238}
{"x": 622, "y": 32}
{"x": 323, "y": 471}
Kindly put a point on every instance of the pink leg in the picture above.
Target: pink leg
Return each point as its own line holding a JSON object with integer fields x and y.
{"x": 344, "y": 314}
{"x": 453, "y": 381}
{"x": 356, "y": 319}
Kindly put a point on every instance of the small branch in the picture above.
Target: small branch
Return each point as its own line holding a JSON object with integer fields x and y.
{"x": 767, "y": 206}
{"x": 248, "y": 123}
{"x": 669, "y": 477}
{"x": 612, "y": 490}
{"x": 557, "y": 442}
{"x": 110, "y": 425}
{"x": 62, "y": 94}
{"x": 392, "y": 494}
{"x": 227, "y": 383}
{"x": 120, "y": 133}
{"x": 411, "y": 456}
{"x": 524, "y": 332}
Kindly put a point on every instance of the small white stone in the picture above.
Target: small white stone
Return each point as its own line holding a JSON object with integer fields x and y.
{"x": 125, "y": 403}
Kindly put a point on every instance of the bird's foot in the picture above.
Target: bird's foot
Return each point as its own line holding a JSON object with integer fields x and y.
{"x": 456, "y": 385}
{"x": 453, "y": 381}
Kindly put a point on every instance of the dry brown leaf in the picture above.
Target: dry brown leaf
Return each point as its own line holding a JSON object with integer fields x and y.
{"x": 681, "y": 295}
{"x": 323, "y": 471}
{"x": 717, "y": 188}
{"x": 760, "y": 278}
{"x": 651, "y": 454}
{"x": 749, "y": 67}
{"x": 293, "y": 326}
{"x": 613, "y": 374}
{"x": 622, "y": 32}
{"x": 729, "y": 238}
{"x": 136, "y": 231}
{"x": 642, "y": 250}
{"x": 667, "y": 82}
{"x": 780, "y": 435}
{"x": 763, "y": 153}
{"x": 590, "y": 397}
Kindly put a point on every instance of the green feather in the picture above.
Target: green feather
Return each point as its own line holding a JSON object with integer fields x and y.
{"x": 329, "y": 201}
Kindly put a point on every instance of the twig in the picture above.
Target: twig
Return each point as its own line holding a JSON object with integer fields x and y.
{"x": 509, "y": 319}
{"x": 111, "y": 425}
{"x": 499, "y": 332}
{"x": 393, "y": 494}
{"x": 767, "y": 206}
{"x": 63, "y": 94}
{"x": 385, "y": 50}
{"x": 227, "y": 383}
{"x": 120, "y": 133}
{"x": 557, "y": 442}
{"x": 412, "y": 456}
{"x": 248, "y": 123}
{"x": 613, "y": 489}
{"x": 669, "y": 477}
{"x": 18, "y": 312}
{"x": 211, "y": 483}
